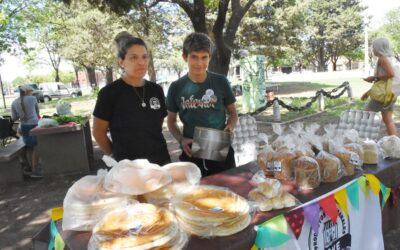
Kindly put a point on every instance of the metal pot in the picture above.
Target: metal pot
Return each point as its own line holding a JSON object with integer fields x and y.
{"x": 211, "y": 144}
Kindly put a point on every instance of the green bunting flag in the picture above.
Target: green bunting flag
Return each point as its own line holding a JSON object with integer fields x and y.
{"x": 56, "y": 241}
{"x": 272, "y": 233}
{"x": 352, "y": 194}
{"x": 385, "y": 194}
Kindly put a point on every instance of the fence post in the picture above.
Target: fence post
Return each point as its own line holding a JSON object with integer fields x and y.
{"x": 349, "y": 92}
{"x": 276, "y": 110}
{"x": 321, "y": 102}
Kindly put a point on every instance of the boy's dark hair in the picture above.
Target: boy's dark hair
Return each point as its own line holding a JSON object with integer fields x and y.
{"x": 124, "y": 41}
{"x": 197, "y": 42}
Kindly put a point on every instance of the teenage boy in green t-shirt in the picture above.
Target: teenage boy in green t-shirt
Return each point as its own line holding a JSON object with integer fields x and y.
{"x": 201, "y": 98}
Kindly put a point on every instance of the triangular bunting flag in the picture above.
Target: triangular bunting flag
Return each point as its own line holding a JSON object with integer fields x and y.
{"x": 272, "y": 233}
{"x": 56, "y": 213}
{"x": 352, "y": 194}
{"x": 341, "y": 198}
{"x": 311, "y": 215}
{"x": 328, "y": 205}
{"x": 254, "y": 247}
{"x": 59, "y": 243}
{"x": 374, "y": 183}
{"x": 385, "y": 194}
{"x": 295, "y": 220}
{"x": 362, "y": 183}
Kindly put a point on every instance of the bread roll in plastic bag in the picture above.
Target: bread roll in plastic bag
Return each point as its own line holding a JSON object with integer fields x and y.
{"x": 390, "y": 146}
{"x": 306, "y": 173}
{"x": 331, "y": 168}
{"x": 371, "y": 152}
{"x": 136, "y": 177}
{"x": 281, "y": 164}
{"x": 86, "y": 202}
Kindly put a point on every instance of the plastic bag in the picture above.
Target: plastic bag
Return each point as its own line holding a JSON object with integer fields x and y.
{"x": 371, "y": 153}
{"x": 63, "y": 108}
{"x": 140, "y": 226}
{"x": 209, "y": 211}
{"x": 184, "y": 175}
{"x": 390, "y": 146}
{"x": 47, "y": 123}
{"x": 263, "y": 157}
{"x": 281, "y": 164}
{"x": 331, "y": 168}
{"x": 136, "y": 177}
{"x": 86, "y": 201}
{"x": 306, "y": 173}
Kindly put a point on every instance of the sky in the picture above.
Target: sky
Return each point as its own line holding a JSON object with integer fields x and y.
{"x": 13, "y": 66}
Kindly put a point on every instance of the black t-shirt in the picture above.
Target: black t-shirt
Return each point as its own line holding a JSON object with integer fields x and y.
{"x": 136, "y": 131}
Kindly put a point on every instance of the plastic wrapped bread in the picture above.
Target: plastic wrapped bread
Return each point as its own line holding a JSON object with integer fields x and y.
{"x": 86, "y": 201}
{"x": 370, "y": 152}
{"x": 331, "y": 168}
{"x": 282, "y": 164}
{"x": 390, "y": 146}
{"x": 140, "y": 226}
{"x": 136, "y": 177}
{"x": 209, "y": 211}
{"x": 356, "y": 148}
{"x": 350, "y": 160}
{"x": 306, "y": 172}
{"x": 263, "y": 157}
{"x": 184, "y": 175}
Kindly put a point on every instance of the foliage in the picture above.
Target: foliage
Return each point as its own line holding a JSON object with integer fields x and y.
{"x": 272, "y": 28}
{"x": 65, "y": 77}
{"x": 392, "y": 28}
{"x": 333, "y": 28}
{"x": 64, "y": 119}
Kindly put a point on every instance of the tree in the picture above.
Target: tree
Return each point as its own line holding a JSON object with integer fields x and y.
{"x": 273, "y": 29}
{"x": 332, "y": 29}
{"x": 391, "y": 27}
{"x": 45, "y": 25}
{"x": 221, "y": 27}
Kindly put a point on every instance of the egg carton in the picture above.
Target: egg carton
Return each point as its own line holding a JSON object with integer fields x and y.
{"x": 366, "y": 123}
{"x": 245, "y": 140}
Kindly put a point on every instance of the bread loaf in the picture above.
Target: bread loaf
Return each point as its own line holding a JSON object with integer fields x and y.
{"x": 349, "y": 159}
{"x": 331, "y": 168}
{"x": 283, "y": 161}
{"x": 370, "y": 152}
{"x": 306, "y": 172}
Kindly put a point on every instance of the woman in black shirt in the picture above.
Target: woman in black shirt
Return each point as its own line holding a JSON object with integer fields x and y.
{"x": 132, "y": 108}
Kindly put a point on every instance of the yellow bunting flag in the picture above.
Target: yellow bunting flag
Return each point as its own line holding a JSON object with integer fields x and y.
{"x": 254, "y": 247}
{"x": 341, "y": 198}
{"x": 56, "y": 213}
{"x": 362, "y": 182}
{"x": 374, "y": 183}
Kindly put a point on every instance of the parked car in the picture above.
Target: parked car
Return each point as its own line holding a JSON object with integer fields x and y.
{"x": 57, "y": 90}
{"x": 36, "y": 92}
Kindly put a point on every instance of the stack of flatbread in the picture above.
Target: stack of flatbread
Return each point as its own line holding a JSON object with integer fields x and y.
{"x": 184, "y": 175}
{"x": 270, "y": 195}
{"x": 209, "y": 211}
{"x": 140, "y": 226}
{"x": 86, "y": 201}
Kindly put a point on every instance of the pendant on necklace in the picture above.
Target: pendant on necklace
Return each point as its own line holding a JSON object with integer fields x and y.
{"x": 143, "y": 104}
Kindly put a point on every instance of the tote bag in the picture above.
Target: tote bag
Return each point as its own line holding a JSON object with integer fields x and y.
{"x": 382, "y": 92}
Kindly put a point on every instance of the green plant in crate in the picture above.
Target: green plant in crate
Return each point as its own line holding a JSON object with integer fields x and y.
{"x": 64, "y": 119}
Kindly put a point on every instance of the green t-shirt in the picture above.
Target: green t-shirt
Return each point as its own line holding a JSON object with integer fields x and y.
{"x": 200, "y": 104}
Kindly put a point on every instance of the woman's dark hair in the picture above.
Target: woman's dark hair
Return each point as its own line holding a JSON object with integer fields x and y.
{"x": 197, "y": 42}
{"x": 124, "y": 41}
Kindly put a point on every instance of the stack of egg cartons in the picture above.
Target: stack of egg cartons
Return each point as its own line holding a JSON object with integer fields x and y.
{"x": 366, "y": 123}
{"x": 245, "y": 140}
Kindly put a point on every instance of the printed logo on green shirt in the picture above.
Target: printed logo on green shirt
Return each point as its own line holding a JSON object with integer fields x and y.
{"x": 207, "y": 101}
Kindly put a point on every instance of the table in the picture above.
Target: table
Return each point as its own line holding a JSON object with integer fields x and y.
{"x": 65, "y": 149}
{"x": 387, "y": 171}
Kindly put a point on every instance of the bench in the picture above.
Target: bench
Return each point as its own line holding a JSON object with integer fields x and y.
{"x": 10, "y": 166}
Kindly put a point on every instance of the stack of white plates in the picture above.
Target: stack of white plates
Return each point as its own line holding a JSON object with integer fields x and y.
{"x": 140, "y": 226}
{"x": 209, "y": 211}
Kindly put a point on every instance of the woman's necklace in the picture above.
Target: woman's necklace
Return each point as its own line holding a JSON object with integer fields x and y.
{"x": 141, "y": 98}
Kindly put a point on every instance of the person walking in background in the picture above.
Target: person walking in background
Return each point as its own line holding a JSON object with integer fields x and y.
{"x": 25, "y": 108}
{"x": 203, "y": 99}
{"x": 383, "y": 76}
{"x": 132, "y": 108}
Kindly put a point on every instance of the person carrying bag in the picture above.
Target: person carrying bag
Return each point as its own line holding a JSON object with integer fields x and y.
{"x": 382, "y": 94}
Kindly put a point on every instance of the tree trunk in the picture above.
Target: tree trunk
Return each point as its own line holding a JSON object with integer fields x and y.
{"x": 91, "y": 75}
{"x": 109, "y": 75}
{"x": 220, "y": 60}
{"x": 77, "y": 84}
{"x": 151, "y": 71}
{"x": 334, "y": 64}
{"x": 350, "y": 64}
{"x": 57, "y": 78}
{"x": 321, "y": 60}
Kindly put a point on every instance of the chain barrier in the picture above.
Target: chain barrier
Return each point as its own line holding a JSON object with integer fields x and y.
{"x": 328, "y": 94}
